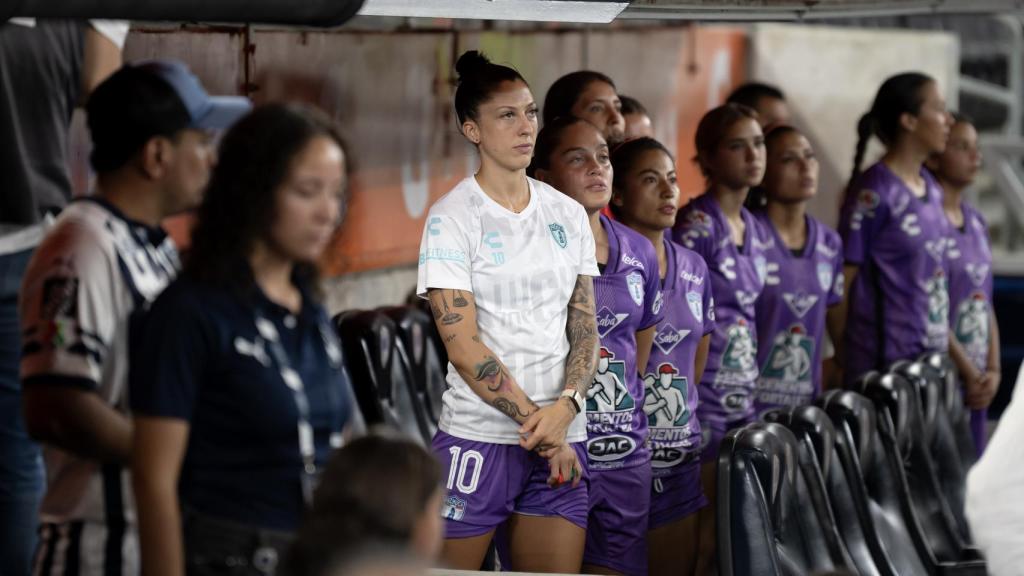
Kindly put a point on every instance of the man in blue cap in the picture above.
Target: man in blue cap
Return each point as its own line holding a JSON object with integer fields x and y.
{"x": 105, "y": 258}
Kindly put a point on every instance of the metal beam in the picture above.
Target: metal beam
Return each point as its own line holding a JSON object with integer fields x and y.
{"x": 726, "y": 10}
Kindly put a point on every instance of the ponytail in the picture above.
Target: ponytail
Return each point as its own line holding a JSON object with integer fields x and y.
{"x": 865, "y": 128}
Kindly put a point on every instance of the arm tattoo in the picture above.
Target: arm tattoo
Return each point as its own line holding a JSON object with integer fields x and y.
{"x": 459, "y": 299}
{"x": 449, "y": 317}
{"x": 492, "y": 374}
{"x": 581, "y": 331}
{"x": 511, "y": 409}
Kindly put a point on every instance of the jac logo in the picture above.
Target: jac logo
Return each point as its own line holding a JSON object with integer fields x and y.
{"x": 631, "y": 261}
{"x": 610, "y": 448}
{"x": 735, "y": 401}
{"x": 667, "y": 457}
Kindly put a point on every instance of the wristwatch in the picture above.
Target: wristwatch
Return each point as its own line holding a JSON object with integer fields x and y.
{"x": 575, "y": 397}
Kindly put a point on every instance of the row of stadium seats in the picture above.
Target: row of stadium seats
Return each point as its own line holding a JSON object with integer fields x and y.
{"x": 397, "y": 365}
{"x": 867, "y": 481}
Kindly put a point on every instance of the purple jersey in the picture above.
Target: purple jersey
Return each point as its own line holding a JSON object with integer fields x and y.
{"x": 628, "y": 299}
{"x": 670, "y": 390}
{"x": 737, "y": 278}
{"x": 798, "y": 289}
{"x": 898, "y": 304}
{"x": 970, "y": 286}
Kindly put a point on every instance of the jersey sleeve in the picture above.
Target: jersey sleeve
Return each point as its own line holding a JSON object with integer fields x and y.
{"x": 445, "y": 252}
{"x": 653, "y": 299}
{"x": 695, "y": 230}
{"x": 171, "y": 345}
{"x": 863, "y": 215}
{"x": 70, "y": 300}
{"x": 588, "y": 248}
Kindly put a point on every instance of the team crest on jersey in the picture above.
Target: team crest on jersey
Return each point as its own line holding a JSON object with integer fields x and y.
{"x": 978, "y": 273}
{"x": 665, "y": 398}
{"x": 608, "y": 393}
{"x": 937, "y": 249}
{"x": 667, "y": 338}
{"x": 558, "y": 233}
{"x": 791, "y": 357}
{"x": 696, "y": 303}
{"x": 454, "y": 508}
{"x": 825, "y": 276}
{"x": 761, "y": 266}
{"x": 800, "y": 302}
{"x": 635, "y": 283}
{"x": 972, "y": 329}
{"x": 608, "y": 320}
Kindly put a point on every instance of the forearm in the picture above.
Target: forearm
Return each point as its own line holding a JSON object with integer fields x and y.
{"x": 159, "y": 526}
{"x": 80, "y": 423}
{"x": 584, "y": 344}
{"x": 491, "y": 380}
{"x": 995, "y": 360}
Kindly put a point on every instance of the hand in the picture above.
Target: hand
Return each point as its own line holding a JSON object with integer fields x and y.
{"x": 981, "y": 394}
{"x": 565, "y": 467}
{"x": 546, "y": 428}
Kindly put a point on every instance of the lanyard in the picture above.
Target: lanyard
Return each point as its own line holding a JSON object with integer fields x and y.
{"x": 292, "y": 379}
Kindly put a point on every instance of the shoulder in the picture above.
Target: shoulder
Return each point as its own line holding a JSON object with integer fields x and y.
{"x": 552, "y": 198}
{"x": 81, "y": 234}
{"x": 697, "y": 215}
{"x": 461, "y": 200}
{"x": 824, "y": 235}
{"x": 974, "y": 218}
{"x": 689, "y": 260}
{"x": 184, "y": 297}
{"x": 631, "y": 242}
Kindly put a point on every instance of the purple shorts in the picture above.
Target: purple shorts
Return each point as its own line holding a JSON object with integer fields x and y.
{"x": 617, "y": 526}
{"x": 676, "y": 495}
{"x": 486, "y": 483}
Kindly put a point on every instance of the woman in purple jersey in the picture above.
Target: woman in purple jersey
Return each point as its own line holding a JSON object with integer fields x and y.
{"x": 572, "y": 156}
{"x": 804, "y": 284}
{"x": 895, "y": 235}
{"x": 646, "y": 198}
{"x": 974, "y": 344}
{"x": 730, "y": 152}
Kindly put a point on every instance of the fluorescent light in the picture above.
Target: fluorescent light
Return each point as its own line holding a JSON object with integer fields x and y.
{"x": 596, "y": 11}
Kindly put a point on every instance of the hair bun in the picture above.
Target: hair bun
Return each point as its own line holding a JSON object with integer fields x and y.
{"x": 471, "y": 63}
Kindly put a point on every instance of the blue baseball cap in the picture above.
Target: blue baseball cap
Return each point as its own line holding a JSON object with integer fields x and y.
{"x": 143, "y": 100}
{"x": 205, "y": 112}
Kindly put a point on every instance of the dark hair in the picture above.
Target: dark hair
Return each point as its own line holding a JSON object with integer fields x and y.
{"x": 562, "y": 95}
{"x": 751, "y": 93}
{"x": 549, "y": 139}
{"x": 961, "y": 118}
{"x": 898, "y": 95}
{"x": 371, "y": 493}
{"x": 240, "y": 202}
{"x": 478, "y": 79}
{"x": 128, "y": 109}
{"x": 631, "y": 105}
{"x": 625, "y": 155}
{"x": 758, "y": 196}
{"x": 714, "y": 125}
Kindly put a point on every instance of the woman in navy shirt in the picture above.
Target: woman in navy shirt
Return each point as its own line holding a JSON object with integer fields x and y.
{"x": 237, "y": 385}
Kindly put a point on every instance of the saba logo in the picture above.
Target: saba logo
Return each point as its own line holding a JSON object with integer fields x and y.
{"x": 668, "y": 338}
{"x": 608, "y": 320}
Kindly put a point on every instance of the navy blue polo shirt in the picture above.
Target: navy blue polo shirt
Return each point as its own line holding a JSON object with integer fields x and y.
{"x": 197, "y": 356}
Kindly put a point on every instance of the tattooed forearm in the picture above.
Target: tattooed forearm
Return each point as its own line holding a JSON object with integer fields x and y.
{"x": 581, "y": 331}
{"x": 511, "y": 409}
{"x": 459, "y": 299}
{"x": 491, "y": 374}
{"x": 449, "y": 338}
{"x": 449, "y": 317}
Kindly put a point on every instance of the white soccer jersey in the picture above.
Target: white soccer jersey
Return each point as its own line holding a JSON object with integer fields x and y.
{"x": 521, "y": 269}
{"x": 93, "y": 269}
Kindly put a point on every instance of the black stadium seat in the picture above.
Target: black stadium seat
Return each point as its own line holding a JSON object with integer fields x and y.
{"x": 871, "y": 490}
{"x": 959, "y": 416}
{"x": 826, "y": 482}
{"x": 907, "y": 470}
{"x": 415, "y": 329}
{"x": 940, "y": 439}
{"x": 379, "y": 373}
{"x": 766, "y": 525}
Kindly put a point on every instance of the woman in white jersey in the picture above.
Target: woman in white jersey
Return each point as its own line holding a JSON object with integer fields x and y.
{"x": 506, "y": 262}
